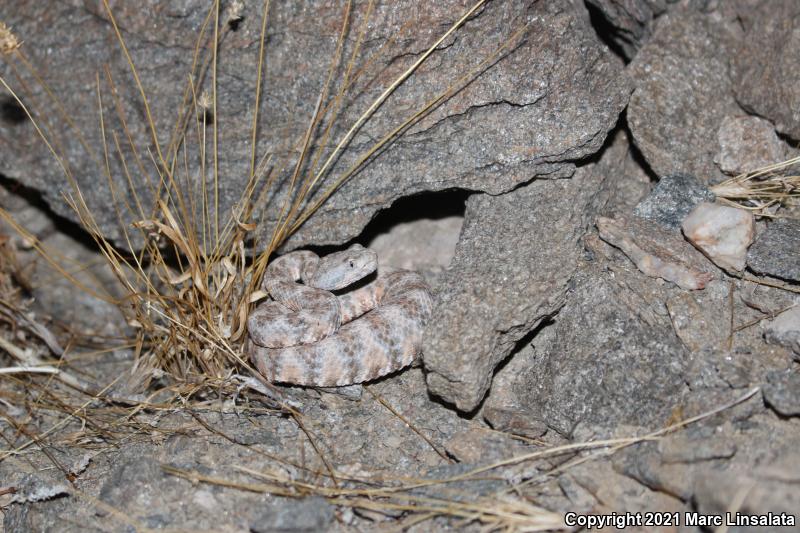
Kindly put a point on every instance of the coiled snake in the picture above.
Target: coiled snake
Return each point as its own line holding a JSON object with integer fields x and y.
{"x": 307, "y": 335}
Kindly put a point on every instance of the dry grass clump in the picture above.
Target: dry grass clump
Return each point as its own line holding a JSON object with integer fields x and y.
{"x": 764, "y": 190}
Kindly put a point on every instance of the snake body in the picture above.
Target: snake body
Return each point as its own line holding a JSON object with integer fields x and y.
{"x": 307, "y": 335}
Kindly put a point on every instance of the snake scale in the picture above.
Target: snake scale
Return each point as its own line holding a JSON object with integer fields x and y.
{"x": 308, "y": 335}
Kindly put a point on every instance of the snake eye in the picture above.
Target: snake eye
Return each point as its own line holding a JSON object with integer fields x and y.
{"x": 352, "y": 264}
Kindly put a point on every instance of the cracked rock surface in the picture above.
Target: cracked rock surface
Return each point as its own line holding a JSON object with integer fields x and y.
{"x": 682, "y": 73}
{"x": 500, "y": 285}
{"x": 548, "y": 99}
{"x": 765, "y": 67}
{"x": 631, "y": 20}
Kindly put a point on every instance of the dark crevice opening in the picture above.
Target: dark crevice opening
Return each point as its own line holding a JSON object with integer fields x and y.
{"x": 34, "y": 198}
{"x": 11, "y": 112}
{"x": 605, "y": 31}
{"x": 425, "y": 205}
{"x": 636, "y": 154}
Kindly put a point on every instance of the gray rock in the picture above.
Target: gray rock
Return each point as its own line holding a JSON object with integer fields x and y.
{"x": 458, "y": 490}
{"x": 720, "y": 369}
{"x": 548, "y": 101}
{"x": 136, "y": 483}
{"x": 294, "y": 515}
{"x": 776, "y": 250}
{"x": 766, "y": 67}
{"x": 630, "y": 182}
{"x": 682, "y": 94}
{"x": 625, "y": 364}
{"x": 644, "y": 464}
{"x": 700, "y": 318}
{"x": 513, "y": 260}
{"x": 746, "y": 144}
{"x": 514, "y": 422}
{"x": 784, "y": 330}
{"x": 515, "y": 255}
{"x": 715, "y": 489}
{"x": 782, "y": 392}
{"x": 674, "y": 463}
{"x": 697, "y": 444}
{"x": 631, "y": 20}
{"x": 533, "y": 377}
{"x": 479, "y": 446}
{"x": 672, "y": 199}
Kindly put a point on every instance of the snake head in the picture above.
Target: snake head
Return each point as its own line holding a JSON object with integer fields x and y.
{"x": 341, "y": 269}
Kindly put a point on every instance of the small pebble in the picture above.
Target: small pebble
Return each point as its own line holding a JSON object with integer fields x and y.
{"x": 672, "y": 199}
{"x": 722, "y": 233}
{"x": 782, "y": 392}
{"x": 784, "y": 330}
{"x": 776, "y": 250}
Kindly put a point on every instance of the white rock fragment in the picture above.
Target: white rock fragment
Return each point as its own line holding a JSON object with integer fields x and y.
{"x": 722, "y": 233}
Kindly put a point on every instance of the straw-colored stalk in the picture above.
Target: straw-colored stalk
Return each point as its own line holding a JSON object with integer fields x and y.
{"x": 763, "y": 190}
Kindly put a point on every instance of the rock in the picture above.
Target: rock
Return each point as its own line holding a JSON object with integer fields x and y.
{"x": 483, "y": 446}
{"x": 657, "y": 255}
{"x": 784, "y": 330}
{"x": 715, "y": 368}
{"x": 672, "y": 199}
{"x": 646, "y": 467}
{"x": 716, "y": 489}
{"x": 722, "y": 233}
{"x": 294, "y": 515}
{"x": 136, "y": 483}
{"x": 402, "y": 247}
{"x": 614, "y": 491}
{"x": 701, "y": 443}
{"x": 631, "y": 183}
{"x": 782, "y": 392}
{"x": 625, "y": 364}
{"x": 32, "y": 488}
{"x": 699, "y": 319}
{"x": 607, "y": 372}
{"x": 776, "y": 250}
{"x": 630, "y": 20}
{"x": 455, "y": 490}
{"x": 746, "y": 144}
{"x": 515, "y": 422}
{"x": 519, "y": 118}
{"x": 766, "y": 66}
{"x": 498, "y": 286}
{"x": 682, "y": 93}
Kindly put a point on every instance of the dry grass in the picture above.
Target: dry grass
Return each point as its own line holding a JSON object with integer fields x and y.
{"x": 764, "y": 190}
{"x": 505, "y": 510}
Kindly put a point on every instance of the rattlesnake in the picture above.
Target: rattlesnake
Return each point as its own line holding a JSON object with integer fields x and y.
{"x": 307, "y": 335}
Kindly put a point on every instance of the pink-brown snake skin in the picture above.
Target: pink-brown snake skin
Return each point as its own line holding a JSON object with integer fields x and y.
{"x": 308, "y": 336}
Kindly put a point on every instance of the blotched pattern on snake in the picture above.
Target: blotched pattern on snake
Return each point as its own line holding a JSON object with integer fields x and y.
{"x": 307, "y": 335}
